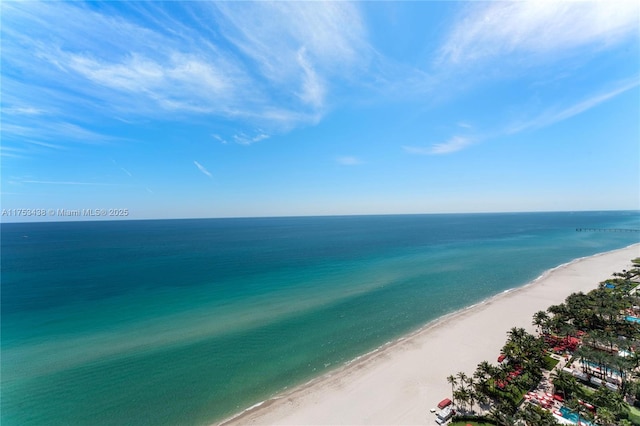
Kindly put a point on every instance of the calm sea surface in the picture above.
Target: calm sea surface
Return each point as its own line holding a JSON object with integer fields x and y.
{"x": 189, "y": 321}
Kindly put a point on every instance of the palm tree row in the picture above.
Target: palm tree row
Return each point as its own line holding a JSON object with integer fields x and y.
{"x": 501, "y": 387}
{"x": 463, "y": 390}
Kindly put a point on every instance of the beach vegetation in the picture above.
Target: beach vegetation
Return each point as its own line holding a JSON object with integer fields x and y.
{"x": 453, "y": 381}
{"x": 606, "y": 417}
{"x": 612, "y": 401}
{"x": 564, "y": 383}
{"x": 599, "y": 337}
{"x": 465, "y": 393}
{"x": 532, "y": 415}
{"x": 541, "y": 322}
{"x": 503, "y": 414}
{"x": 634, "y": 415}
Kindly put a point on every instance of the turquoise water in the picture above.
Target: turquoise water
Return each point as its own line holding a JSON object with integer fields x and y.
{"x": 632, "y": 319}
{"x": 573, "y": 417}
{"x": 610, "y": 370}
{"x": 189, "y": 321}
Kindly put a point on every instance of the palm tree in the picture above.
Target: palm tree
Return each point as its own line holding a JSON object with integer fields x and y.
{"x": 462, "y": 393}
{"x": 503, "y": 413}
{"x": 585, "y": 353}
{"x": 565, "y": 329}
{"x": 518, "y": 344}
{"x": 528, "y": 415}
{"x": 617, "y": 404}
{"x": 557, "y": 310}
{"x": 484, "y": 371}
{"x": 452, "y": 379}
{"x": 605, "y": 398}
{"x": 540, "y": 320}
{"x": 536, "y": 416}
{"x": 624, "y": 367}
{"x": 564, "y": 382}
{"x": 632, "y": 389}
{"x": 482, "y": 392}
{"x": 516, "y": 334}
{"x": 501, "y": 374}
{"x": 471, "y": 391}
{"x": 579, "y": 309}
{"x": 605, "y": 417}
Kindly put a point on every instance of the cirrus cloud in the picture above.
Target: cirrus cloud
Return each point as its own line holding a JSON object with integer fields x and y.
{"x": 349, "y": 161}
{"x": 488, "y": 30}
{"x": 203, "y": 169}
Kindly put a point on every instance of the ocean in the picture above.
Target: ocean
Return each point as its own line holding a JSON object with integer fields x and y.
{"x": 186, "y": 322}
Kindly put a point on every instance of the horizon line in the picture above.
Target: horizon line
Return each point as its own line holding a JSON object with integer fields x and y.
{"x": 89, "y": 220}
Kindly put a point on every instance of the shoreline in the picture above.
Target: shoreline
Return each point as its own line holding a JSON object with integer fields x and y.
{"x": 392, "y": 383}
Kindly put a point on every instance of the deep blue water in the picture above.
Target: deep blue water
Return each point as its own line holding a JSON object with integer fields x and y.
{"x": 189, "y": 321}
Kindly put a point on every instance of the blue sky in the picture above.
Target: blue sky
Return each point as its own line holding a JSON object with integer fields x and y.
{"x": 198, "y": 109}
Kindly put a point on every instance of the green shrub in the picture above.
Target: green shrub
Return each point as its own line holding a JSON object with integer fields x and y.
{"x": 634, "y": 416}
{"x": 549, "y": 362}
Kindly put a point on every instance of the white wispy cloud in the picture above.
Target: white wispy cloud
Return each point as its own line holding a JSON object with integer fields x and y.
{"x": 488, "y": 30}
{"x": 202, "y": 169}
{"x": 45, "y": 144}
{"x": 299, "y": 46}
{"x": 11, "y": 152}
{"x": 219, "y": 139}
{"x": 269, "y": 64}
{"x": 332, "y": 34}
{"x": 555, "y": 115}
{"x": 23, "y": 110}
{"x": 54, "y": 130}
{"x": 177, "y": 82}
{"x": 125, "y": 171}
{"x": 244, "y": 139}
{"x": 456, "y": 143}
{"x": 313, "y": 90}
{"x": 545, "y": 118}
{"x": 349, "y": 161}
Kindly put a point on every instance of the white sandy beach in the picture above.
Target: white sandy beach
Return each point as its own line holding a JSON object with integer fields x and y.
{"x": 401, "y": 382}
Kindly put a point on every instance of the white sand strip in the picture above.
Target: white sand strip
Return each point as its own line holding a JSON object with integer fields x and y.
{"x": 401, "y": 382}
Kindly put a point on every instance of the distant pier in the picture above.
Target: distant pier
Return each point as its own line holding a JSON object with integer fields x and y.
{"x": 607, "y": 230}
